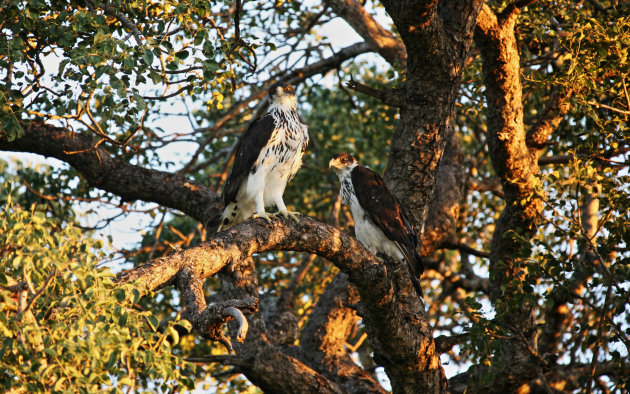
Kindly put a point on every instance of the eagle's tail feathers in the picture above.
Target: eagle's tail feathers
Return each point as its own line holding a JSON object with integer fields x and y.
{"x": 413, "y": 260}
{"x": 415, "y": 281}
{"x": 419, "y": 264}
{"x": 213, "y": 226}
{"x": 228, "y": 216}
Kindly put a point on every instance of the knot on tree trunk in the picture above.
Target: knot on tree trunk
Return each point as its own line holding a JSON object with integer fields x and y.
{"x": 209, "y": 319}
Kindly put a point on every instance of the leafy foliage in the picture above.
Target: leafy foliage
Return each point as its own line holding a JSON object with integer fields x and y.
{"x": 66, "y": 324}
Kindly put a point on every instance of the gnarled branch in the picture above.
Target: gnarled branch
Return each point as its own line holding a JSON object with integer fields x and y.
{"x": 380, "y": 39}
{"x": 392, "y": 312}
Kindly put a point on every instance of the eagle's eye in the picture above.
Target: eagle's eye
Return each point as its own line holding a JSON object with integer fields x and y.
{"x": 287, "y": 89}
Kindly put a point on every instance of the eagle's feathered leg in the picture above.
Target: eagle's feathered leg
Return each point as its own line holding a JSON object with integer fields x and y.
{"x": 260, "y": 207}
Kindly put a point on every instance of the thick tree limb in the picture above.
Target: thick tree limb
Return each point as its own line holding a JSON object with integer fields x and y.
{"x": 378, "y": 38}
{"x": 549, "y": 120}
{"x": 445, "y": 205}
{"x": 393, "y": 314}
{"x": 269, "y": 366}
{"x": 325, "y": 65}
{"x": 443, "y": 212}
{"x": 445, "y": 343}
{"x": 516, "y": 165}
{"x": 436, "y": 55}
{"x": 114, "y": 175}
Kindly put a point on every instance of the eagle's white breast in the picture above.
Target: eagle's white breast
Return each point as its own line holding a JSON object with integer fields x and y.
{"x": 281, "y": 158}
{"x": 366, "y": 231}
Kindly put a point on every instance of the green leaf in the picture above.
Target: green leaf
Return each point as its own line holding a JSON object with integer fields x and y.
{"x": 185, "y": 324}
{"x": 50, "y": 352}
{"x": 172, "y": 332}
{"x": 122, "y": 321}
{"x": 147, "y": 56}
{"x": 182, "y": 54}
{"x": 120, "y": 295}
{"x": 153, "y": 322}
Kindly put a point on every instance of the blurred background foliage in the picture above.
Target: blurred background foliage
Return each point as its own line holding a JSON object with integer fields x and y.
{"x": 173, "y": 84}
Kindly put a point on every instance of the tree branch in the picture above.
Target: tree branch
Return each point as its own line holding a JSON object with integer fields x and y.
{"x": 208, "y": 320}
{"x": 517, "y": 168}
{"x": 378, "y": 38}
{"x": 448, "y": 194}
{"x": 392, "y": 312}
{"x": 392, "y": 97}
{"x": 549, "y": 120}
{"x": 270, "y": 366}
{"x": 114, "y": 175}
{"x": 121, "y": 17}
{"x": 445, "y": 343}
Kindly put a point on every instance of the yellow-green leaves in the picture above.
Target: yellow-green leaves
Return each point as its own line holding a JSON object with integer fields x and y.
{"x": 65, "y": 323}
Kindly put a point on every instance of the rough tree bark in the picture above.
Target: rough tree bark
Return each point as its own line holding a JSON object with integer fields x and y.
{"x": 394, "y": 322}
{"x": 514, "y": 154}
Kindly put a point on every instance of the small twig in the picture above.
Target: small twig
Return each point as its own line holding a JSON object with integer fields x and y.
{"x": 392, "y": 97}
{"x": 287, "y": 298}
{"x": 359, "y": 342}
{"x": 168, "y": 95}
{"x": 465, "y": 248}
{"x": 621, "y": 111}
{"x": 625, "y": 91}
{"x": 531, "y": 350}
{"x": 613, "y": 324}
{"x": 40, "y": 291}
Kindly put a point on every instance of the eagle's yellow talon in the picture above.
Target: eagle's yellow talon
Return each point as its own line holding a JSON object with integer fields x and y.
{"x": 264, "y": 215}
{"x": 291, "y": 214}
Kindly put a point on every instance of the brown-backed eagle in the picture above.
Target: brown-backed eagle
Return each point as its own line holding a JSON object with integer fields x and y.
{"x": 380, "y": 222}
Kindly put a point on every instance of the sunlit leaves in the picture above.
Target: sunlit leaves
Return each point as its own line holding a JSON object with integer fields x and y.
{"x": 70, "y": 327}
{"x": 79, "y": 51}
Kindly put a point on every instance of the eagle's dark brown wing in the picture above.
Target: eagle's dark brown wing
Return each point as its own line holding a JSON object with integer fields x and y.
{"x": 383, "y": 208}
{"x": 247, "y": 151}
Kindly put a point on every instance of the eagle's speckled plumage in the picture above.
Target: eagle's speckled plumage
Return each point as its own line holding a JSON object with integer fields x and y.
{"x": 267, "y": 157}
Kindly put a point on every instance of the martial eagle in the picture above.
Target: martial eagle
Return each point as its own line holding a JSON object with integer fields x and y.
{"x": 380, "y": 223}
{"x": 267, "y": 157}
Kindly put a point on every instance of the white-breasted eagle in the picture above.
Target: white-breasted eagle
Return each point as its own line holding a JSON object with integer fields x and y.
{"x": 380, "y": 222}
{"x": 267, "y": 157}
